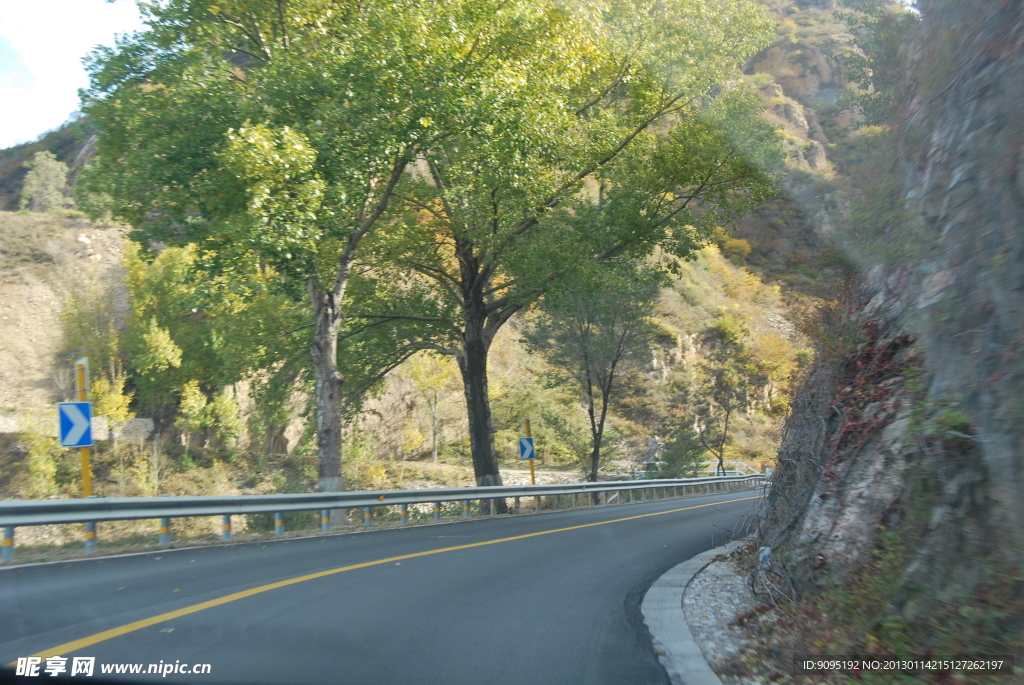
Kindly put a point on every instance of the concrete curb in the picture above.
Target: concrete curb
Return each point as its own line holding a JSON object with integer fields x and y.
{"x": 663, "y": 614}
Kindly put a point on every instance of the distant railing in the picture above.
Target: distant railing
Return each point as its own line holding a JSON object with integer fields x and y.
{"x": 14, "y": 513}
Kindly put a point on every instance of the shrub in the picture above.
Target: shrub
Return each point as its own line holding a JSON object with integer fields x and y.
{"x": 736, "y": 250}
{"x": 41, "y": 460}
{"x": 43, "y": 190}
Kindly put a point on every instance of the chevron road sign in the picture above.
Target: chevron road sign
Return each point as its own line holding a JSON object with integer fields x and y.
{"x": 526, "y": 448}
{"x": 75, "y": 424}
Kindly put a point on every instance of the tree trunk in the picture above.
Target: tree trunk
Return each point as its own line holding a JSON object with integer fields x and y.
{"x": 328, "y": 387}
{"x": 595, "y": 460}
{"x": 473, "y": 365}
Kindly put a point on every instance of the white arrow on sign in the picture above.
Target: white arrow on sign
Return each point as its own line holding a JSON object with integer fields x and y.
{"x": 79, "y": 424}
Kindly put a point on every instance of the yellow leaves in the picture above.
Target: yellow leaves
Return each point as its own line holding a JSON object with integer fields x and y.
{"x": 109, "y": 399}
{"x": 426, "y": 122}
{"x": 160, "y": 351}
{"x": 214, "y": 9}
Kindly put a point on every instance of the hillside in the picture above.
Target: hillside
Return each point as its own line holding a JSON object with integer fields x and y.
{"x": 43, "y": 258}
{"x": 72, "y": 144}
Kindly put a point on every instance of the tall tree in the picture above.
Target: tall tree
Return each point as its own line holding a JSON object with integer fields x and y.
{"x": 646, "y": 154}
{"x": 594, "y": 330}
{"x": 432, "y": 375}
{"x": 276, "y": 132}
{"x": 731, "y": 381}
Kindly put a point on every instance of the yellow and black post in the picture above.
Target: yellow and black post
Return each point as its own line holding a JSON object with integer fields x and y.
{"x": 82, "y": 395}
{"x": 526, "y": 428}
{"x": 533, "y": 476}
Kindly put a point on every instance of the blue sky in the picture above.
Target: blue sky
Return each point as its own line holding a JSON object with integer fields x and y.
{"x": 42, "y": 43}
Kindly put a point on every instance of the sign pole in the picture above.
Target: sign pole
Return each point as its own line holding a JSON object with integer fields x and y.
{"x": 82, "y": 388}
{"x": 533, "y": 478}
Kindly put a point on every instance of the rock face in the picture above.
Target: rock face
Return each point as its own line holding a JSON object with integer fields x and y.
{"x": 806, "y": 78}
{"x": 949, "y": 314}
{"x": 964, "y": 188}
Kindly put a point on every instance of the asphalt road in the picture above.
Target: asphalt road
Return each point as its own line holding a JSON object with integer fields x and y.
{"x": 558, "y": 603}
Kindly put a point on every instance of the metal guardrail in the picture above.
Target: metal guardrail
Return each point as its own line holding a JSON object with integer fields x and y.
{"x": 14, "y": 513}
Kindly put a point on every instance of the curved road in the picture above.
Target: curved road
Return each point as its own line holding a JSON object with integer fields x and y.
{"x": 541, "y": 599}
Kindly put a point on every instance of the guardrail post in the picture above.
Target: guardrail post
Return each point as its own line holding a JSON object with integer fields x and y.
{"x": 437, "y": 511}
{"x": 574, "y": 500}
{"x": 278, "y": 524}
{"x": 165, "y": 531}
{"x": 90, "y": 536}
{"x": 325, "y": 520}
{"x": 225, "y": 527}
{"x": 367, "y": 516}
{"x": 7, "y": 547}
{"x": 493, "y": 507}
{"x": 404, "y": 513}
{"x": 517, "y": 505}
{"x": 630, "y": 495}
{"x": 465, "y": 508}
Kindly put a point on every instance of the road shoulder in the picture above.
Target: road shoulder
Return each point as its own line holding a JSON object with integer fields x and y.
{"x": 662, "y": 610}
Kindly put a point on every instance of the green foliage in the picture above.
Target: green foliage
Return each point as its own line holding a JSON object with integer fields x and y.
{"x": 593, "y": 332}
{"x": 951, "y": 426}
{"x": 730, "y": 329}
{"x": 42, "y": 454}
{"x": 192, "y": 414}
{"x": 43, "y": 190}
{"x": 879, "y": 67}
{"x": 90, "y": 327}
{"x": 293, "y": 158}
{"x": 760, "y": 80}
{"x": 189, "y": 333}
{"x": 683, "y": 455}
{"x": 246, "y": 161}
{"x": 729, "y": 381}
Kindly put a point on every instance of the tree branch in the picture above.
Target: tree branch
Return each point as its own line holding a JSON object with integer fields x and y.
{"x": 384, "y": 318}
{"x": 423, "y": 345}
{"x": 299, "y": 328}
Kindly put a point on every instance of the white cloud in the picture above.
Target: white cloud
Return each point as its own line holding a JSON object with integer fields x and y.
{"x": 42, "y": 43}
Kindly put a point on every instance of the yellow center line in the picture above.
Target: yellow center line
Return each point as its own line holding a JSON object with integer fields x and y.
{"x": 76, "y": 645}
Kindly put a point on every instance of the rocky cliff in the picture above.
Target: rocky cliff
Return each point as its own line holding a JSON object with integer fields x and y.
{"x": 911, "y": 421}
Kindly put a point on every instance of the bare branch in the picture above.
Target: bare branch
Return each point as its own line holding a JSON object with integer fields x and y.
{"x": 299, "y": 328}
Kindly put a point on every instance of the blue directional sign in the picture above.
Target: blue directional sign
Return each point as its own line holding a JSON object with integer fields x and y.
{"x": 75, "y": 424}
{"x": 526, "y": 448}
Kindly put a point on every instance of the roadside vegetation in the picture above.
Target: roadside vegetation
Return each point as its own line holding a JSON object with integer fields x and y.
{"x": 414, "y": 270}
